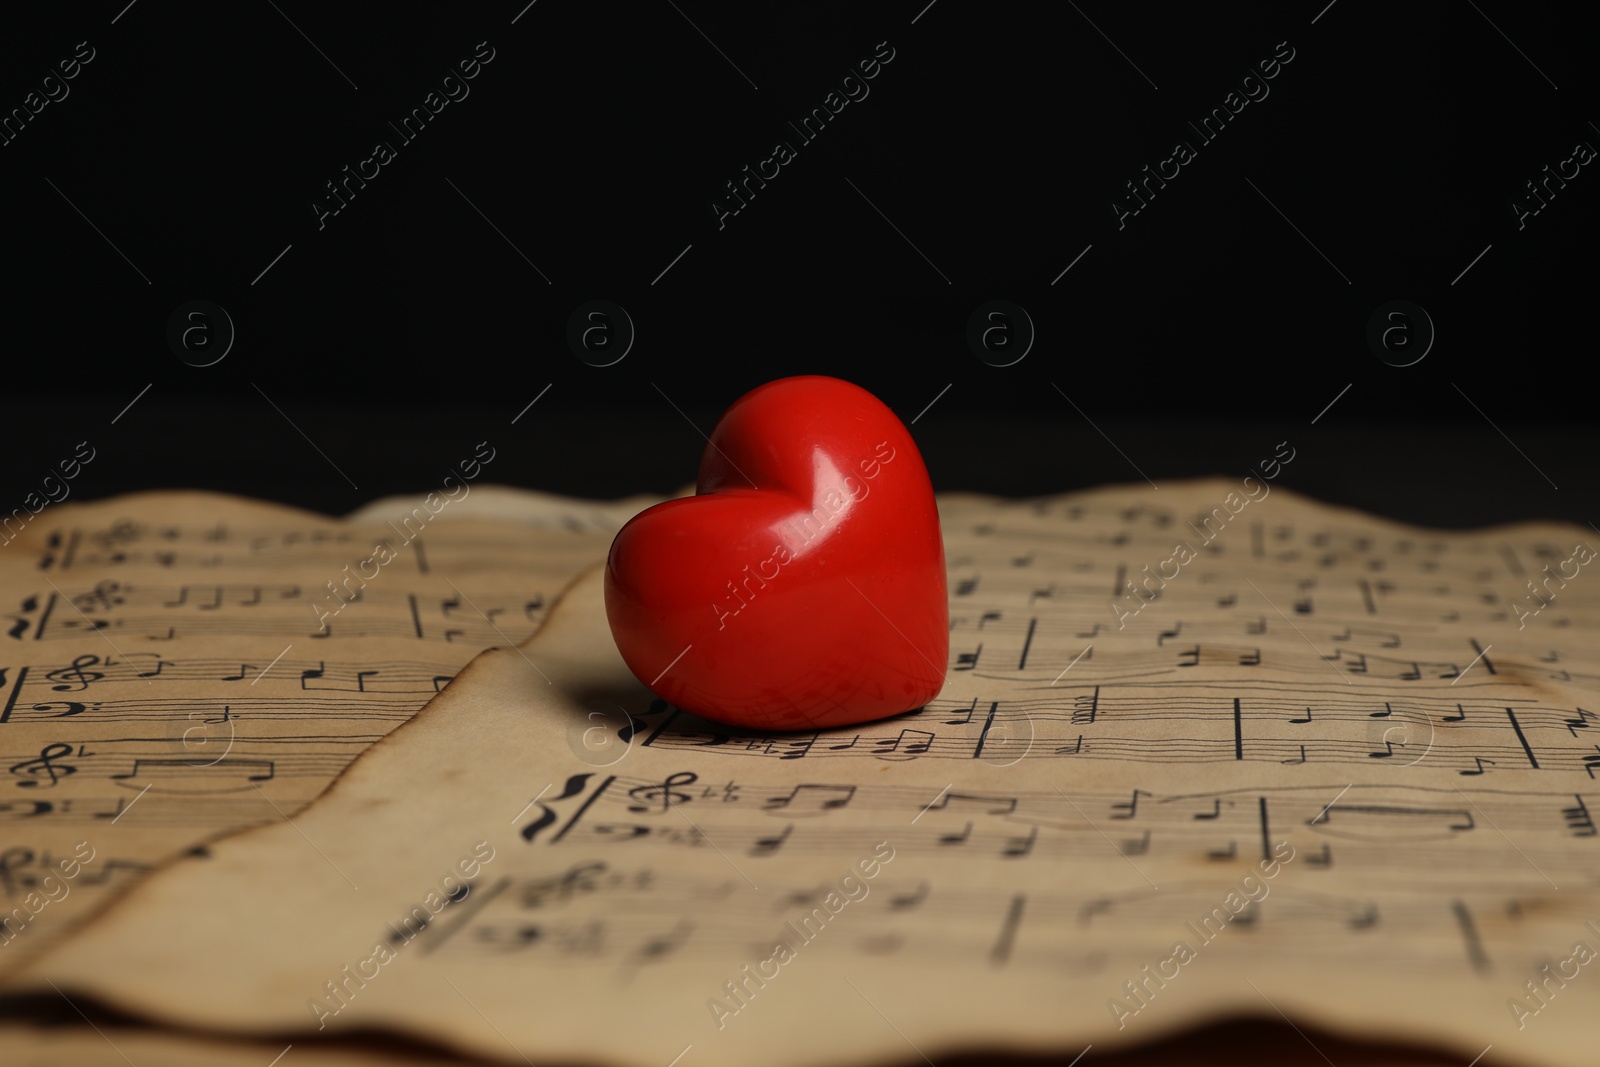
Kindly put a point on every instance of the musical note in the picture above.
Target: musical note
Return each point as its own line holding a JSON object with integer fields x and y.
{"x": 909, "y": 901}
{"x": 910, "y": 742}
{"x": 988, "y": 805}
{"x": 45, "y": 765}
{"x": 148, "y": 673}
{"x": 798, "y": 748}
{"x": 804, "y": 800}
{"x": 183, "y": 776}
{"x": 766, "y": 846}
{"x": 663, "y": 794}
{"x": 1017, "y": 847}
{"x": 1306, "y": 719}
{"x": 1460, "y": 716}
{"x": 965, "y": 719}
{"x": 1088, "y": 911}
{"x": 659, "y": 946}
{"x": 1129, "y": 808}
{"x": 1480, "y": 761}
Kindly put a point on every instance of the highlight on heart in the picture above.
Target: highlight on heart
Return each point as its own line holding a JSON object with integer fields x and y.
{"x": 805, "y": 529}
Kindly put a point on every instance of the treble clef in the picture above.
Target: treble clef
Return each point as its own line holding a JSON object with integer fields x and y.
{"x": 44, "y": 766}
{"x": 663, "y": 794}
{"x": 76, "y": 673}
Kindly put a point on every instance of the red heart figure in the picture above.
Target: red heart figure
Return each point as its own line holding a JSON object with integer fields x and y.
{"x": 803, "y": 586}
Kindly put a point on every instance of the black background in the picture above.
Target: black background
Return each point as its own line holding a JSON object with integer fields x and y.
{"x": 1223, "y": 318}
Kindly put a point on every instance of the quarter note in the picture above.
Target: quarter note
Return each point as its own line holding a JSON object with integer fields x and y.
{"x": 965, "y": 719}
{"x": 909, "y": 901}
{"x": 766, "y": 846}
{"x": 1017, "y": 847}
{"x": 1135, "y": 846}
{"x": 1129, "y": 808}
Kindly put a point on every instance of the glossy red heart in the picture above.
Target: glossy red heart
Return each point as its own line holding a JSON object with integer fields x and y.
{"x": 803, "y": 586}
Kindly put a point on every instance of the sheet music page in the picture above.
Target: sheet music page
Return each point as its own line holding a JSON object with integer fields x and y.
{"x": 175, "y": 666}
{"x": 1313, "y": 764}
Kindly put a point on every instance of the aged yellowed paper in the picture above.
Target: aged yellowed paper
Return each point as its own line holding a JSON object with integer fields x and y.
{"x": 1202, "y": 751}
{"x": 175, "y": 666}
